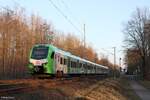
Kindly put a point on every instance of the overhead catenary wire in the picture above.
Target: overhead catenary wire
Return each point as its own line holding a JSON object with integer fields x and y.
{"x": 57, "y": 8}
{"x": 69, "y": 11}
{"x": 7, "y": 9}
{"x": 75, "y": 20}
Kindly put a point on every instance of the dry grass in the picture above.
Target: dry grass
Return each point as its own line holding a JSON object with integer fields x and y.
{"x": 103, "y": 90}
{"x": 108, "y": 89}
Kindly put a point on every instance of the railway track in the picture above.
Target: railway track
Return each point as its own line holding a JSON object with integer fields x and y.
{"x": 31, "y": 85}
{"x": 14, "y": 88}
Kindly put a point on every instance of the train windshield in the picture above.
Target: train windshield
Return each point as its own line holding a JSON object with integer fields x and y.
{"x": 40, "y": 52}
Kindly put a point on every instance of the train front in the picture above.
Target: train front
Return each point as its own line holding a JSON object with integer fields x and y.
{"x": 40, "y": 60}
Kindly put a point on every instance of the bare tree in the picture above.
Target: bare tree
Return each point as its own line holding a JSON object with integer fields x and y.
{"x": 135, "y": 35}
{"x": 18, "y": 33}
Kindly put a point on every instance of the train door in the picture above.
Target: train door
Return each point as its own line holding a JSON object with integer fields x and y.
{"x": 64, "y": 65}
{"x": 57, "y": 62}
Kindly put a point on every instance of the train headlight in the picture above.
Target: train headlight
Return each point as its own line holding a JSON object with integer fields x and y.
{"x": 44, "y": 64}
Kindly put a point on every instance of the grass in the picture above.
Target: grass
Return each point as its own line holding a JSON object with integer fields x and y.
{"x": 145, "y": 83}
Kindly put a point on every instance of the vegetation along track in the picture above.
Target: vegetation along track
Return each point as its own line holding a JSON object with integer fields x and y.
{"x": 14, "y": 88}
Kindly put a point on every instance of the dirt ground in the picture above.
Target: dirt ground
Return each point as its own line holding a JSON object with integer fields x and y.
{"x": 70, "y": 89}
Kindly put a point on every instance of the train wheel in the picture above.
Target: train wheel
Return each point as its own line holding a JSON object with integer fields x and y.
{"x": 59, "y": 74}
{"x": 62, "y": 74}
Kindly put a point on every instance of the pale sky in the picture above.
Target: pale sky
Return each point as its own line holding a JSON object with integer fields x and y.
{"x": 103, "y": 19}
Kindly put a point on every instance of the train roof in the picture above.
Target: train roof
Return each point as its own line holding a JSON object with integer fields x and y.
{"x": 62, "y": 52}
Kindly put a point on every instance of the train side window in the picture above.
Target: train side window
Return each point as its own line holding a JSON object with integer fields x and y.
{"x": 79, "y": 65}
{"x": 61, "y": 60}
{"x": 52, "y": 55}
{"x": 58, "y": 58}
{"x": 65, "y": 61}
{"x": 75, "y": 63}
{"x": 71, "y": 63}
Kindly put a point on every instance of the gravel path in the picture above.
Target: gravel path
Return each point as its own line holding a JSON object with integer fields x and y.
{"x": 141, "y": 91}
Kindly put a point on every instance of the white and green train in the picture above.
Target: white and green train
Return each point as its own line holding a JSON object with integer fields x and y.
{"x": 48, "y": 59}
